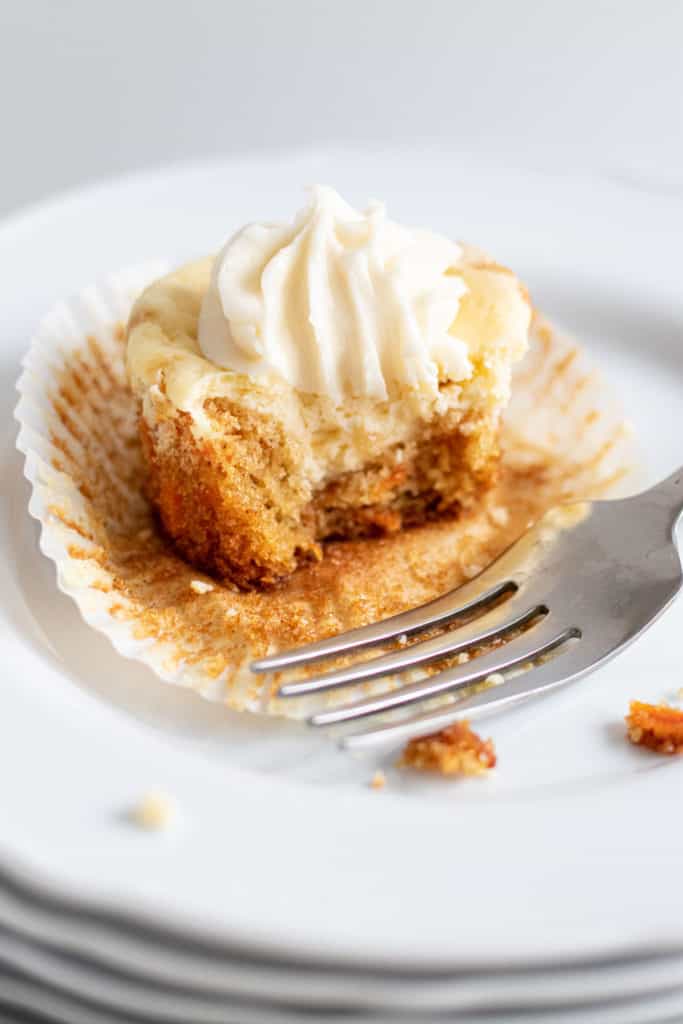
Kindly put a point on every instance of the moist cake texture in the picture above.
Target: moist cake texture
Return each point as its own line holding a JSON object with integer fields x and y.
{"x": 340, "y": 377}
{"x": 658, "y": 727}
{"x": 455, "y": 750}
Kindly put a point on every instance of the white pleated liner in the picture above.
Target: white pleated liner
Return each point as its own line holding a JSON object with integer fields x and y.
{"x": 96, "y": 312}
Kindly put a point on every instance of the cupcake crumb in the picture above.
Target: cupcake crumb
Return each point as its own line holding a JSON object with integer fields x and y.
{"x": 154, "y": 812}
{"x": 495, "y": 679}
{"x": 463, "y": 658}
{"x": 378, "y": 780}
{"x": 144, "y": 534}
{"x": 455, "y": 751}
{"x": 499, "y": 515}
{"x": 201, "y": 587}
{"x": 402, "y": 640}
{"x": 655, "y": 726}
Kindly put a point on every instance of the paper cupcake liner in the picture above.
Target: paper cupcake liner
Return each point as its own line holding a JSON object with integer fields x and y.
{"x": 563, "y": 439}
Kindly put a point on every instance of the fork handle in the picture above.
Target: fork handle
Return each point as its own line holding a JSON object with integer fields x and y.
{"x": 669, "y": 494}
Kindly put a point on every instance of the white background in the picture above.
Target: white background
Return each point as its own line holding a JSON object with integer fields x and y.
{"x": 91, "y": 89}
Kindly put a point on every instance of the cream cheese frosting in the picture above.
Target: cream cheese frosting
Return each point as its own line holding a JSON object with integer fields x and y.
{"x": 339, "y": 303}
{"x": 434, "y": 334}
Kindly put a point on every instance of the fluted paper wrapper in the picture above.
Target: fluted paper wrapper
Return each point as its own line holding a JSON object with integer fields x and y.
{"x": 563, "y": 439}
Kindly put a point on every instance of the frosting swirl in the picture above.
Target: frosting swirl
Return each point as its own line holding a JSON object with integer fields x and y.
{"x": 339, "y": 303}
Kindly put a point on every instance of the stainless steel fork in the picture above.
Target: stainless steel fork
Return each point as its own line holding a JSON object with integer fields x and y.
{"x": 570, "y": 594}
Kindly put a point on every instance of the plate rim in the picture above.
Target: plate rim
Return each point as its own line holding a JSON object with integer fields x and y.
{"x": 47, "y": 207}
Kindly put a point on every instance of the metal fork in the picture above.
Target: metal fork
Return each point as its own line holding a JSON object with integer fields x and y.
{"x": 560, "y": 602}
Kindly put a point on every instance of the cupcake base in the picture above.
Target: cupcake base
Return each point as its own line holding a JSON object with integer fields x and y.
{"x": 250, "y": 474}
{"x": 561, "y": 440}
{"x": 232, "y": 508}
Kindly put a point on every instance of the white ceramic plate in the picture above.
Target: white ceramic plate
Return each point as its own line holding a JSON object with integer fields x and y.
{"x": 135, "y": 995}
{"x": 86, "y": 954}
{"x": 55, "y": 1003}
{"x": 281, "y": 846}
{"x": 613, "y": 993}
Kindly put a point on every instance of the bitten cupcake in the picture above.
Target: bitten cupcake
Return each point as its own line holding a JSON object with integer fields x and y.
{"x": 337, "y": 377}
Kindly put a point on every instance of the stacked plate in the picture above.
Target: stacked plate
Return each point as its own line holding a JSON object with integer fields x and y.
{"x": 286, "y": 889}
{"x": 70, "y": 962}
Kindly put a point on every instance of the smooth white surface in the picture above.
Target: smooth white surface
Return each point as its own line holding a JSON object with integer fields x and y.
{"x": 81, "y": 955}
{"x": 537, "y": 862}
{"x": 30, "y": 995}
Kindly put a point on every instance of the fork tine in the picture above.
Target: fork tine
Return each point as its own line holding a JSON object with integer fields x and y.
{"x": 439, "y": 612}
{"x": 564, "y": 668}
{"x": 530, "y": 645}
{"x": 451, "y": 643}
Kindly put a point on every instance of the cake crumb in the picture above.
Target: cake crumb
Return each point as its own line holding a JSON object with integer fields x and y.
{"x": 499, "y": 515}
{"x": 201, "y": 587}
{"x": 455, "y": 750}
{"x": 655, "y": 726}
{"x": 463, "y": 658}
{"x": 378, "y": 780}
{"x": 470, "y": 571}
{"x": 154, "y": 812}
{"x": 402, "y": 640}
{"x": 495, "y": 679}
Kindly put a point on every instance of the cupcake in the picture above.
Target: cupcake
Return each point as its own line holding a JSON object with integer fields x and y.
{"x": 337, "y": 377}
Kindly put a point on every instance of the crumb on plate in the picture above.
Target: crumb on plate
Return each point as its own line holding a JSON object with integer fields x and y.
{"x": 378, "y": 781}
{"x": 655, "y": 726}
{"x": 456, "y": 750}
{"x": 155, "y": 811}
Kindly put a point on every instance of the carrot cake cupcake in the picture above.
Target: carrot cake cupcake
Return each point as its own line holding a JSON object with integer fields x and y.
{"x": 340, "y": 376}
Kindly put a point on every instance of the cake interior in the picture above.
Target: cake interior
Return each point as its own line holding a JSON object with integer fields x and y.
{"x": 250, "y": 476}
